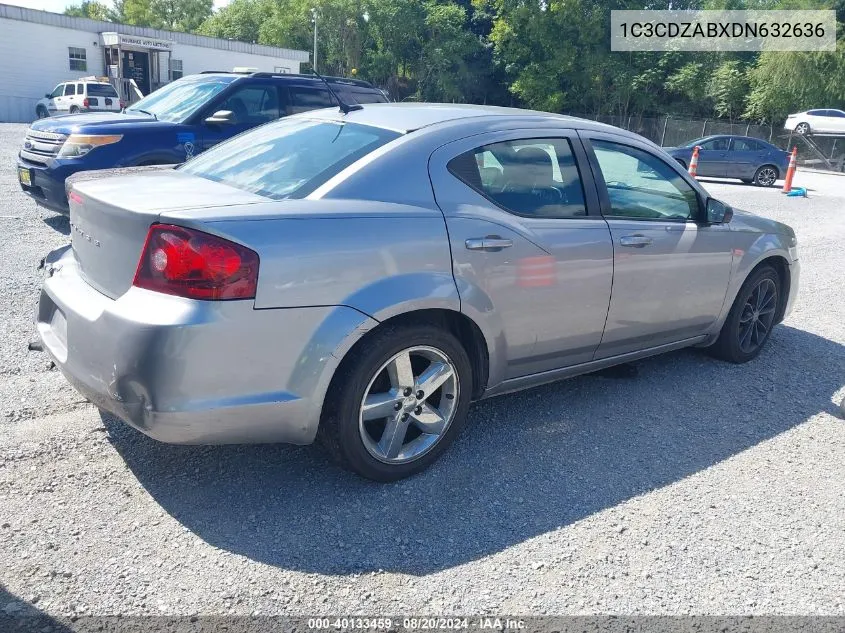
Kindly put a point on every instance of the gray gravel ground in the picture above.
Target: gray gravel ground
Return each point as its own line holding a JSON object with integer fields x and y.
{"x": 695, "y": 487}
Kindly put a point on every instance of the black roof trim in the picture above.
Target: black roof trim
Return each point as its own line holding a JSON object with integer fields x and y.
{"x": 335, "y": 80}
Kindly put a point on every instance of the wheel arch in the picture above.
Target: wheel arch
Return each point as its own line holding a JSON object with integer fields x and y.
{"x": 781, "y": 267}
{"x": 467, "y": 332}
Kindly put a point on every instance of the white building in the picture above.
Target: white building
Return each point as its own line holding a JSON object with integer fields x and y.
{"x": 39, "y": 49}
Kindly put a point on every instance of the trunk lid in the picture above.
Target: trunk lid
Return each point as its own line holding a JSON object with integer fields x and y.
{"x": 110, "y": 217}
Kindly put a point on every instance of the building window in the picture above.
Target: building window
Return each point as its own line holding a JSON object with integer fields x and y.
{"x": 282, "y": 70}
{"x": 77, "y": 58}
{"x": 175, "y": 69}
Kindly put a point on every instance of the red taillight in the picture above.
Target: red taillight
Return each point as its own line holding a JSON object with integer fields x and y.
{"x": 122, "y": 105}
{"x": 193, "y": 264}
{"x": 85, "y": 102}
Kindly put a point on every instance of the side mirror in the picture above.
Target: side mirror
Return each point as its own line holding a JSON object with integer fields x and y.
{"x": 47, "y": 95}
{"x": 221, "y": 117}
{"x": 718, "y": 212}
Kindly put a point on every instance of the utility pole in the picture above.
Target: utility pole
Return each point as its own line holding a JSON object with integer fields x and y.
{"x": 314, "y": 19}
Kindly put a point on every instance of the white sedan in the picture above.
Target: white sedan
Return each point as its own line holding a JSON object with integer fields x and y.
{"x": 816, "y": 122}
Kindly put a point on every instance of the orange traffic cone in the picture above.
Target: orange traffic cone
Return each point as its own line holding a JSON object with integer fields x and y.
{"x": 693, "y": 163}
{"x": 790, "y": 172}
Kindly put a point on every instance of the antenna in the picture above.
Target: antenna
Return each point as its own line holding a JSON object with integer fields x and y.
{"x": 344, "y": 107}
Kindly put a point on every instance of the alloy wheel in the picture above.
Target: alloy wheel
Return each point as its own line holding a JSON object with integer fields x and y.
{"x": 802, "y": 128}
{"x": 758, "y": 315}
{"x": 767, "y": 176}
{"x": 408, "y": 405}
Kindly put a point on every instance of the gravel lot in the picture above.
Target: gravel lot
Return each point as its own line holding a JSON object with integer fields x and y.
{"x": 693, "y": 487}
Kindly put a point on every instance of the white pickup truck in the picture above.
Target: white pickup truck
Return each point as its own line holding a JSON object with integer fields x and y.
{"x": 81, "y": 95}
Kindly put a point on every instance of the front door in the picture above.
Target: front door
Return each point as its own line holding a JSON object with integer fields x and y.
{"x": 671, "y": 271}
{"x": 531, "y": 253}
{"x": 712, "y": 157}
{"x": 251, "y": 105}
{"x": 55, "y": 99}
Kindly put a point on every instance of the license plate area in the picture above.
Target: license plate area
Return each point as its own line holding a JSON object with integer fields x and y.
{"x": 25, "y": 176}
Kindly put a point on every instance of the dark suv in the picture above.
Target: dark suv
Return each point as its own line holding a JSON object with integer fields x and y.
{"x": 170, "y": 125}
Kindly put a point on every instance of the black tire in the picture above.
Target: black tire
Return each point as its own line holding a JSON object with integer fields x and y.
{"x": 41, "y": 112}
{"x": 746, "y": 181}
{"x": 728, "y": 346}
{"x": 74, "y": 110}
{"x": 802, "y": 128}
{"x": 766, "y": 176}
{"x": 339, "y": 424}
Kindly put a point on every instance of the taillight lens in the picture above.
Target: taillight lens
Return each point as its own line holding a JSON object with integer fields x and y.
{"x": 193, "y": 264}
{"x": 85, "y": 102}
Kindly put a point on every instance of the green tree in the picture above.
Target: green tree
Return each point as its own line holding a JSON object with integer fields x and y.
{"x": 172, "y": 15}
{"x": 728, "y": 89}
{"x": 91, "y": 9}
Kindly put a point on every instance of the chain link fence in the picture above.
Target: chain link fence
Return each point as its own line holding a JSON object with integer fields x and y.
{"x": 822, "y": 152}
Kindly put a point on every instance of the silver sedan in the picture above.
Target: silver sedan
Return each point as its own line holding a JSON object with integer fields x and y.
{"x": 361, "y": 278}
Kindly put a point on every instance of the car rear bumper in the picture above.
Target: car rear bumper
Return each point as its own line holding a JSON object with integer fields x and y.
{"x": 194, "y": 372}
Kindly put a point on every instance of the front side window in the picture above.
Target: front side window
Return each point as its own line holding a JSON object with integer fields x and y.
{"x": 289, "y": 158}
{"x": 58, "y": 91}
{"x": 528, "y": 177}
{"x": 70, "y": 90}
{"x": 177, "y": 101}
{"x": 641, "y": 186}
{"x": 717, "y": 144}
{"x": 305, "y": 99}
{"x": 76, "y": 57}
{"x": 253, "y": 105}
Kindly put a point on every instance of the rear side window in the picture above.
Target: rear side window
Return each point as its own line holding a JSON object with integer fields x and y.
{"x": 303, "y": 99}
{"x": 528, "y": 177}
{"x": 747, "y": 145}
{"x": 817, "y": 112}
{"x": 101, "y": 90}
{"x": 366, "y": 96}
{"x": 289, "y": 158}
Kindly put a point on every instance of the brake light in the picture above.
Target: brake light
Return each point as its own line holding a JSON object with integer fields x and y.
{"x": 122, "y": 104}
{"x": 189, "y": 263}
{"x": 85, "y": 102}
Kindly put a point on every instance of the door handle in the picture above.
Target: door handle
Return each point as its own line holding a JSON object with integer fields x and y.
{"x": 492, "y": 243}
{"x": 637, "y": 241}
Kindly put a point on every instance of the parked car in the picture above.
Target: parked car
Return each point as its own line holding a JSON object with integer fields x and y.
{"x": 748, "y": 159}
{"x": 180, "y": 120}
{"x": 361, "y": 277}
{"x": 816, "y": 122}
{"x": 82, "y": 95}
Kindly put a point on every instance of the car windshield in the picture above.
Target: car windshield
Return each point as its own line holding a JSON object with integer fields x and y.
{"x": 177, "y": 101}
{"x": 101, "y": 90}
{"x": 288, "y": 158}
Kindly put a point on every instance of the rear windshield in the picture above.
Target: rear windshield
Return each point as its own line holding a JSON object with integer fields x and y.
{"x": 288, "y": 158}
{"x": 101, "y": 90}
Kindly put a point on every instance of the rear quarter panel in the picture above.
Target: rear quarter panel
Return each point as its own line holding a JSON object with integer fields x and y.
{"x": 383, "y": 260}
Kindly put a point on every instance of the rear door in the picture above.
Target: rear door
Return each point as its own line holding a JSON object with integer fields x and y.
{"x": 671, "y": 270}
{"x": 531, "y": 254}
{"x": 745, "y": 156}
{"x": 837, "y": 121}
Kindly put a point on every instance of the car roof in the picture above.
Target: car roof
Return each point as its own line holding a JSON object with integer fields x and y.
{"x": 408, "y": 117}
